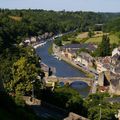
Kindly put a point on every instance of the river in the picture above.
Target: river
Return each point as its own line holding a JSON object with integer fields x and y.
{"x": 63, "y": 69}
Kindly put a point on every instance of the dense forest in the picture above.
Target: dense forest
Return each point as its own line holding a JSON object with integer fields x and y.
{"x": 18, "y": 64}
{"x": 18, "y": 24}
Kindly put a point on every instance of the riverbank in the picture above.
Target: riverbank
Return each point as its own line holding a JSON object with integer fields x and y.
{"x": 76, "y": 66}
{"x": 39, "y": 44}
{"x": 57, "y": 52}
{"x": 50, "y": 50}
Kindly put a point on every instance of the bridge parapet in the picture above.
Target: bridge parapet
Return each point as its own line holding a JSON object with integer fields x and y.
{"x": 69, "y": 80}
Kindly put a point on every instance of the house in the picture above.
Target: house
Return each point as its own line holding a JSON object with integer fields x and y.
{"x": 26, "y": 42}
{"x": 115, "y": 63}
{"x": 116, "y": 51}
{"x": 109, "y": 82}
{"x": 70, "y": 54}
{"x": 114, "y": 84}
{"x": 116, "y": 69}
{"x": 104, "y": 78}
{"x": 85, "y": 59}
{"x": 104, "y": 81}
{"x": 33, "y": 39}
{"x": 88, "y": 46}
{"x": 115, "y": 59}
{"x": 103, "y": 64}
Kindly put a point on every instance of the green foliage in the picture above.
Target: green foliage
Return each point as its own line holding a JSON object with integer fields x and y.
{"x": 19, "y": 100}
{"x": 64, "y": 38}
{"x": 90, "y": 33}
{"x": 104, "y": 48}
{"x": 58, "y": 42}
{"x": 113, "y": 25}
{"x": 23, "y": 72}
{"x": 18, "y": 70}
{"x": 97, "y": 101}
{"x": 67, "y": 98}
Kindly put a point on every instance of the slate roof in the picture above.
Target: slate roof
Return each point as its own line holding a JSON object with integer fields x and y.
{"x": 88, "y": 46}
{"x": 86, "y": 56}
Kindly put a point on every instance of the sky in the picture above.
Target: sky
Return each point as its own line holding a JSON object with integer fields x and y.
{"x": 68, "y": 5}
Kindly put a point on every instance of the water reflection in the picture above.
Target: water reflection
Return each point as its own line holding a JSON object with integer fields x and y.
{"x": 81, "y": 87}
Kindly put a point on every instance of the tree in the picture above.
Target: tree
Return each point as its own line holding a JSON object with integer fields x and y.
{"x": 23, "y": 73}
{"x": 108, "y": 110}
{"x": 66, "y": 98}
{"x": 104, "y": 48}
{"x": 90, "y": 33}
{"x": 58, "y": 42}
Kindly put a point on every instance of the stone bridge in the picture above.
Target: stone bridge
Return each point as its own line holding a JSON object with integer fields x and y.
{"x": 69, "y": 80}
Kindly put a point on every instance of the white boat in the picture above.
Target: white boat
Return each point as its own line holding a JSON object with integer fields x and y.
{"x": 40, "y": 44}
{"x": 56, "y": 57}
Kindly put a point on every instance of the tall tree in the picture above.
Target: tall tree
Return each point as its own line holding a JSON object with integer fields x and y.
{"x": 104, "y": 47}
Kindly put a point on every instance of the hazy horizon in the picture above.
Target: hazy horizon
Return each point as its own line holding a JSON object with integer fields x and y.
{"x": 67, "y": 5}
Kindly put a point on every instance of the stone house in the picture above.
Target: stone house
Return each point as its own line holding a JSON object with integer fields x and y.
{"x": 104, "y": 78}
{"x": 85, "y": 59}
{"x": 116, "y": 69}
{"x": 103, "y": 64}
{"x": 115, "y": 63}
{"x": 115, "y": 59}
{"x": 109, "y": 82}
{"x": 115, "y": 84}
{"x": 70, "y": 54}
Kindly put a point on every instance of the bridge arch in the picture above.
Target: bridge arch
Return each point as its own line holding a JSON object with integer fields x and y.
{"x": 70, "y": 80}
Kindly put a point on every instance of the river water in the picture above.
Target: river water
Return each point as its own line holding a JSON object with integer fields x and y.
{"x": 63, "y": 69}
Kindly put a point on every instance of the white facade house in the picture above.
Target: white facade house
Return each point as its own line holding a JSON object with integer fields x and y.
{"x": 85, "y": 59}
{"x": 116, "y": 51}
{"x": 33, "y": 39}
{"x": 82, "y": 60}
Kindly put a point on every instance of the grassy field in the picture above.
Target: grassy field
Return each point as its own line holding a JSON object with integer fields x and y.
{"x": 97, "y": 40}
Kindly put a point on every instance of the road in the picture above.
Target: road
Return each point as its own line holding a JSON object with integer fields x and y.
{"x": 45, "y": 112}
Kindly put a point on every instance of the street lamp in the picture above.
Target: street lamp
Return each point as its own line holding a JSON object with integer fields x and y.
{"x": 33, "y": 88}
{"x": 100, "y": 112}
